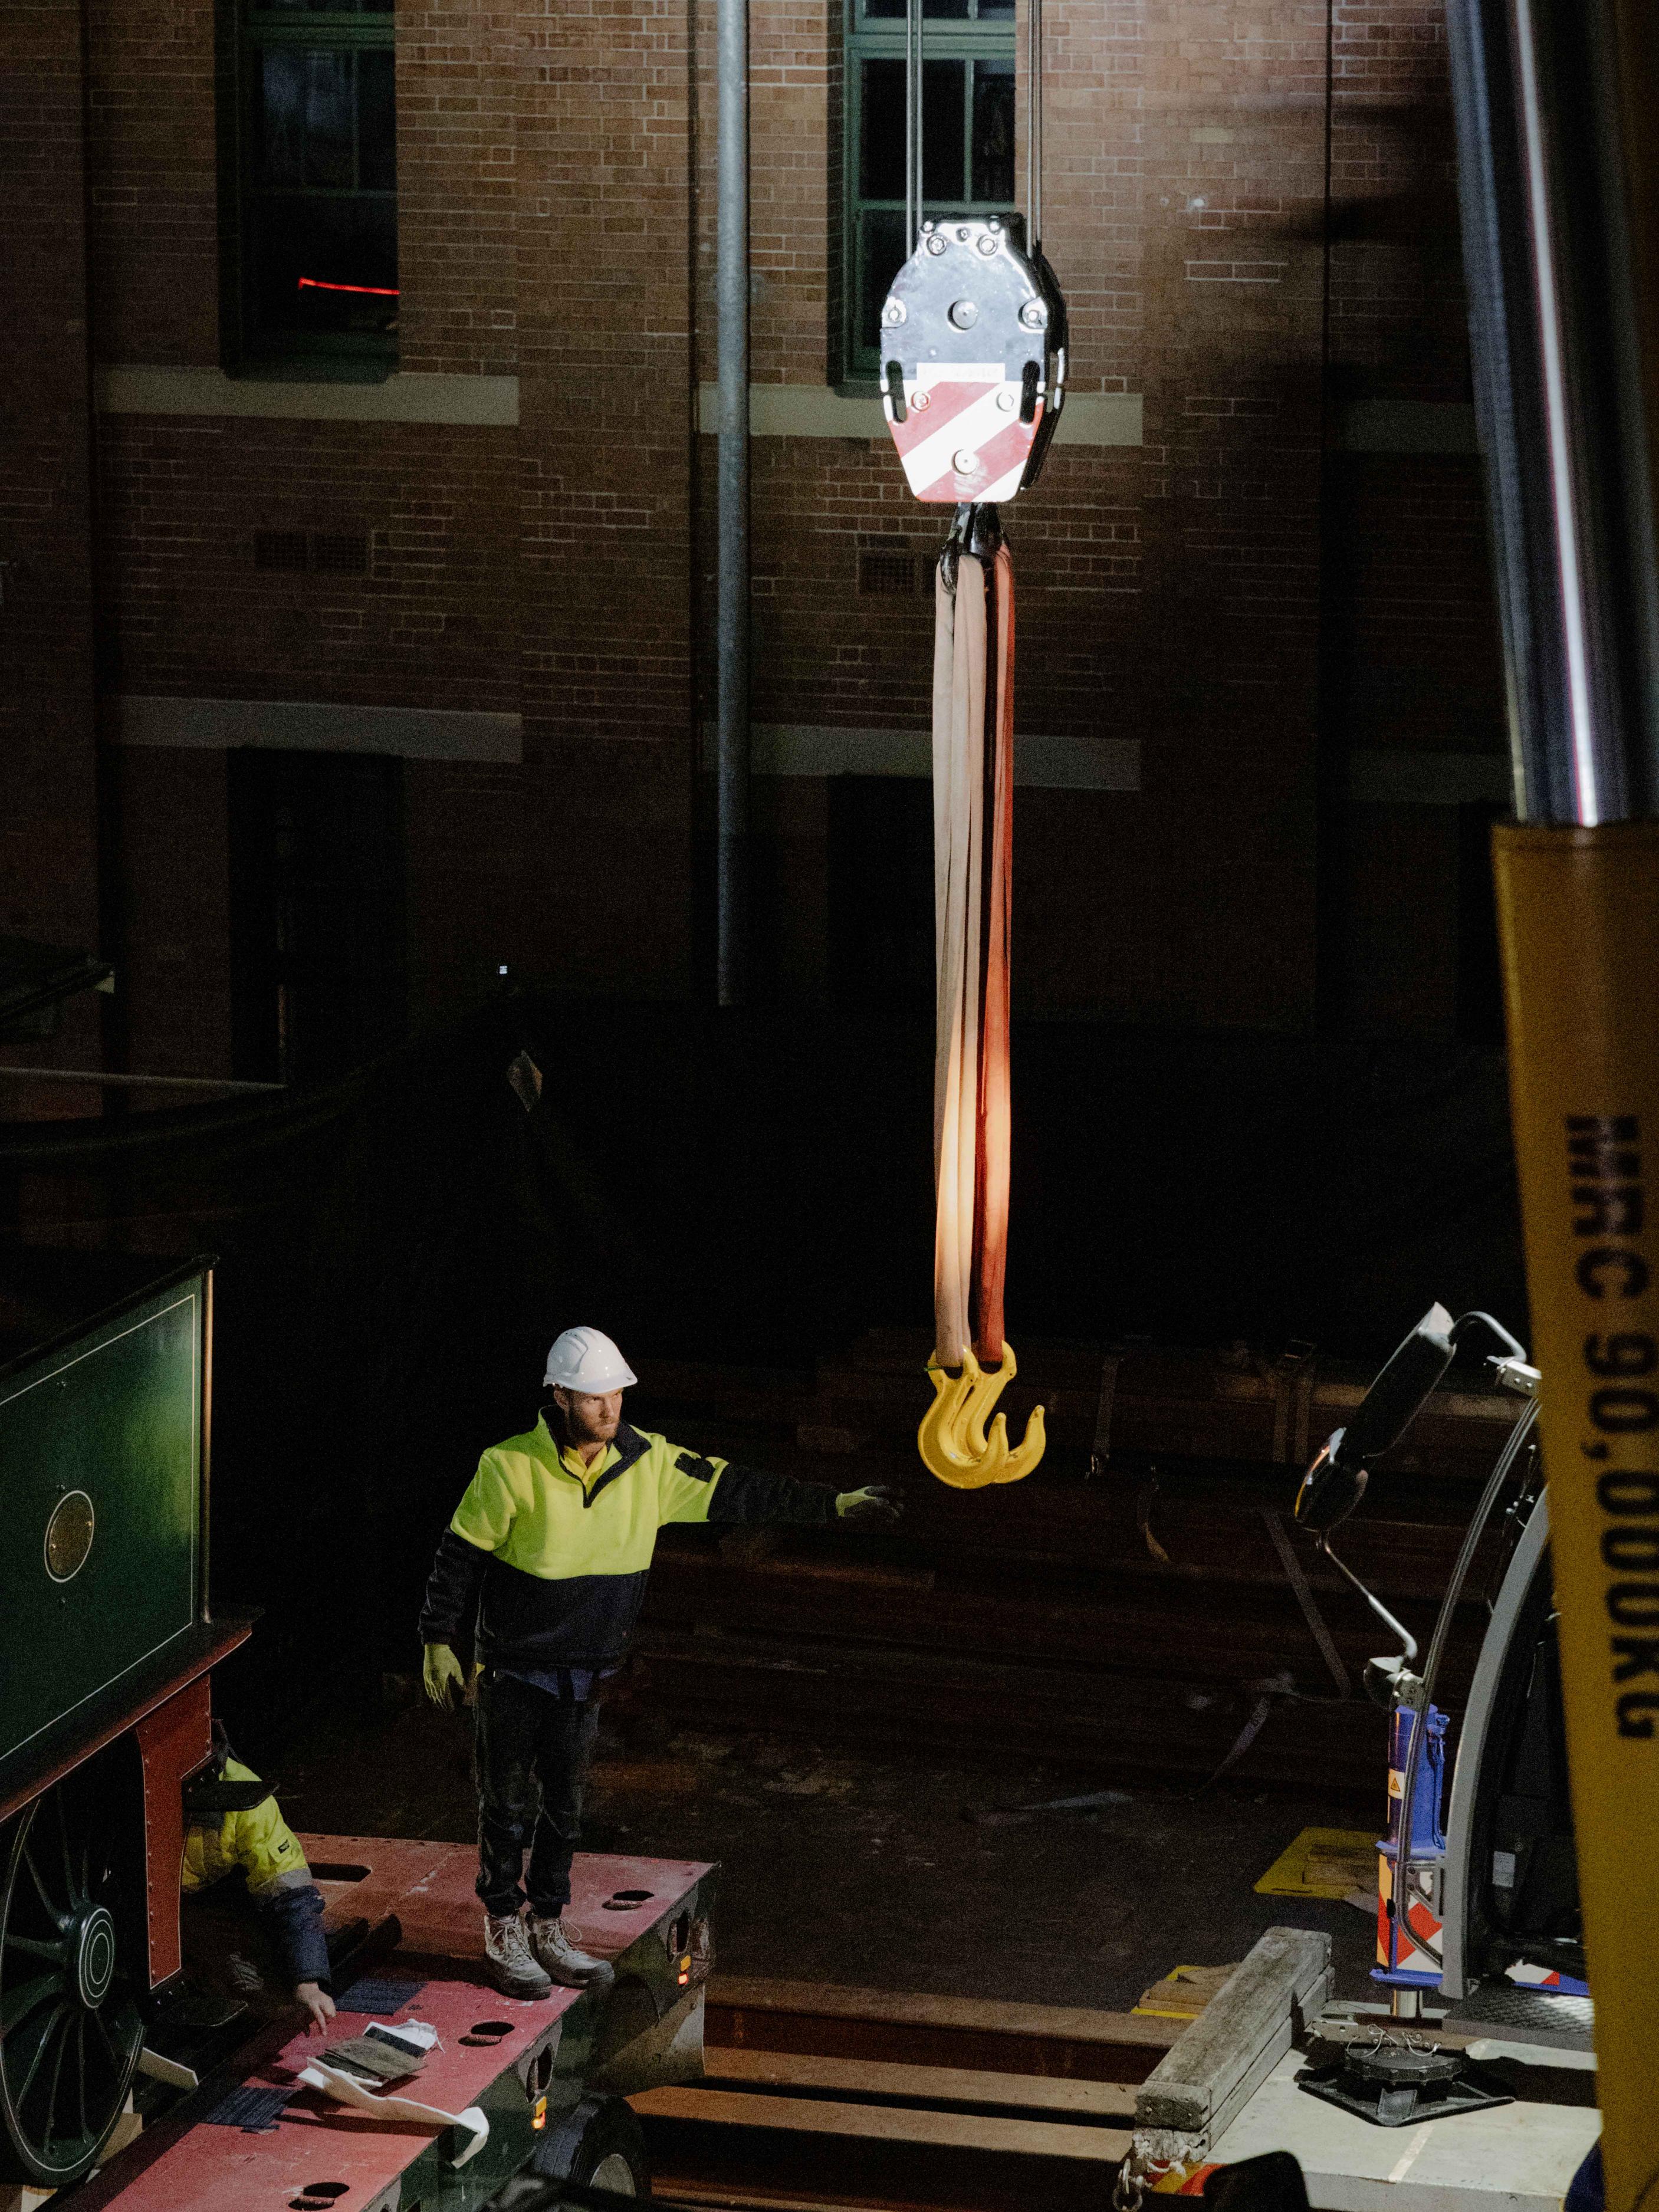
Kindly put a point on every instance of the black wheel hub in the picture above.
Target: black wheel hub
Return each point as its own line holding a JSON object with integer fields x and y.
{"x": 92, "y": 1946}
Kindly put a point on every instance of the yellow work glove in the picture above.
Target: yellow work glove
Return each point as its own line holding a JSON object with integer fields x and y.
{"x": 876, "y": 1506}
{"x": 441, "y": 1673}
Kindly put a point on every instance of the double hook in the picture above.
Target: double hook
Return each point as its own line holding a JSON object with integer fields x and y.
{"x": 952, "y": 1439}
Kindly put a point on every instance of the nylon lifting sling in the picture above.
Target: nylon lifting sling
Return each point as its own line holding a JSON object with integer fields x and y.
{"x": 974, "y": 338}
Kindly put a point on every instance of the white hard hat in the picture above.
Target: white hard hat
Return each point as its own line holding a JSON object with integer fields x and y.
{"x": 585, "y": 1359}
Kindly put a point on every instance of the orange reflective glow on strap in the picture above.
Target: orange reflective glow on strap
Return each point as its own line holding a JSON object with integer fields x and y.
{"x": 374, "y": 291}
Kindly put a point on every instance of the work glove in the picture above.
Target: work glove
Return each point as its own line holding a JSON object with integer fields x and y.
{"x": 875, "y": 1506}
{"x": 441, "y": 1673}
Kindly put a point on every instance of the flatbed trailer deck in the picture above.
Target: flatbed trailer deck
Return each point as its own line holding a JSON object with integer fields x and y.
{"x": 253, "y": 2138}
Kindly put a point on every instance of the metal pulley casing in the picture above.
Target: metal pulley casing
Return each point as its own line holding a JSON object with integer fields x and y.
{"x": 973, "y": 338}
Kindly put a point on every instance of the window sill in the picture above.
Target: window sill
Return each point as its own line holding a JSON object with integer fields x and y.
{"x": 312, "y": 368}
{"x": 478, "y": 401}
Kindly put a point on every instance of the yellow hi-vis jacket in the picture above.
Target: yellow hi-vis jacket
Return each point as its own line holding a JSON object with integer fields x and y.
{"x": 559, "y": 1552}
{"x": 259, "y": 1842}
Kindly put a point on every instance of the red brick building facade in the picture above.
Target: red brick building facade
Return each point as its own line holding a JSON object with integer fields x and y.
{"x": 1257, "y": 660}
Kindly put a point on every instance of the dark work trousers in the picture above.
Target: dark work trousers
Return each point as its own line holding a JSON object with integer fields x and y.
{"x": 530, "y": 1758}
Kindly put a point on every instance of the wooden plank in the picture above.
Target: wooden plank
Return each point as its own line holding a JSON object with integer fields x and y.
{"x": 945, "y": 2085}
{"x": 907, "y": 2009}
{"x": 896, "y": 2124}
{"x": 882, "y": 2042}
{"x": 1240, "y": 2035}
{"x": 731, "y": 2194}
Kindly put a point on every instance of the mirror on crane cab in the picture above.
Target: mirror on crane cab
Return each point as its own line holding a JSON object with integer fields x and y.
{"x": 1335, "y": 1482}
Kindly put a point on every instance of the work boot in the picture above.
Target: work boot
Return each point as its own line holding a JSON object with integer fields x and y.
{"x": 550, "y": 1940}
{"x": 506, "y": 1954}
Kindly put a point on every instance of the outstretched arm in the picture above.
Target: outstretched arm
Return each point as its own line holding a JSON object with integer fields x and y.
{"x": 279, "y": 1883}
{"x": 296, "y": 1911}
{"x": 720, "y": 1490}
{"x": 751, "y": 1493}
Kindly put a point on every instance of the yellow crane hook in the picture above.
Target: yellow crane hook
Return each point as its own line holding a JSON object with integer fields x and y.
{"x": 953, "y": 1440}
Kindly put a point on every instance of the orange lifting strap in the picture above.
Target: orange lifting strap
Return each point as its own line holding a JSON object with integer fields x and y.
{"x": 973, "y": 857}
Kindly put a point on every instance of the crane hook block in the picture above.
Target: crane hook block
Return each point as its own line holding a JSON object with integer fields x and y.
{"x": 972, "y": 353}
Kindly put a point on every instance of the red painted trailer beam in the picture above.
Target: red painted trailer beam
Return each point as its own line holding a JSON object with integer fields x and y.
{"x": 204, "y": 2166}
{"x": 428, "y": 1887}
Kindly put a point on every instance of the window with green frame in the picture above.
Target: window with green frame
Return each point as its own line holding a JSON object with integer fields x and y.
{"x": 315, "y": 174}
{"x": 967, "y": 134}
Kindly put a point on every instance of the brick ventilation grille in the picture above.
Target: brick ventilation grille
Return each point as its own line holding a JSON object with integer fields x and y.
{"x": 279, "y": 549}
{"x": 887, "y": 575}
{"x": 297, "y": 550}
{"x": 340, "y": 557}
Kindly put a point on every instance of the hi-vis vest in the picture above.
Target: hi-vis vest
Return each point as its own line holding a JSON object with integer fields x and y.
{"x": 570, "y": 1550}
{"x": 259, "y": 1842}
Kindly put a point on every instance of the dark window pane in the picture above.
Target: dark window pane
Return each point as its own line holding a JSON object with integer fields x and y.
{"x": 933, "y": 7}
{"x": 881, "y": 156}
{"x": 994, "y": 131}
{"x": 377, "y": 137}
{"x": 328, "y": 120}
{"x": 884, "y": 7}
{"x": 282, "y": 109}
{"x": 881, "y": 129}
{"x": 346, "y": 251}
{"x": 943, "y": 88}
{"x": 993, "y": 11}
{"x": 882, "y": 249}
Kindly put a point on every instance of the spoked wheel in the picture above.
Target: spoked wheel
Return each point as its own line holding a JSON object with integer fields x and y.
{"x": 69, "y": 2029}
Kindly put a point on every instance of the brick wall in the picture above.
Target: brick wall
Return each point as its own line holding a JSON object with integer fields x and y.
{"x": 48, "y": 789}
{"x": 462, "y": 76}
{"x": 1242, "y": 593}
{"x": 152, "y": 161}
{"x": 428, "y": 622}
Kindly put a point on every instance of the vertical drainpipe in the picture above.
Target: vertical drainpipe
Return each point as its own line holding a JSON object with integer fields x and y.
{"x": 732, "y": 39}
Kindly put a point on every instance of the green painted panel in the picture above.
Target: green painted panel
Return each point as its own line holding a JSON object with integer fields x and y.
{"x": 107, "y": 1430}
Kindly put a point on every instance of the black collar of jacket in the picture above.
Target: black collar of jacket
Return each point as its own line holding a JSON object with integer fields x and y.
{"x": 213, "y": 1796}
{"x": 629, "y": 1446}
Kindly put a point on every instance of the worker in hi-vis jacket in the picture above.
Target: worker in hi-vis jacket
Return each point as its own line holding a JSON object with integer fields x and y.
{"x": 554, "y": 1541}
{"x": 251, "y": 1922}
